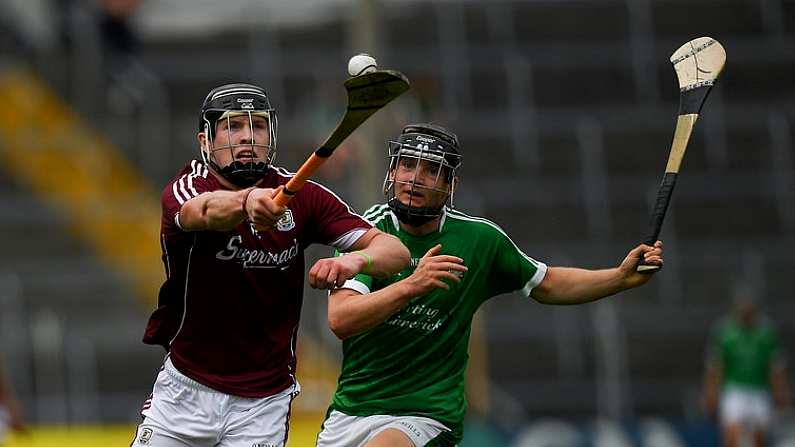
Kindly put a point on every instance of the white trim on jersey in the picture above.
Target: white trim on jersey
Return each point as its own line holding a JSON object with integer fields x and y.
{"x": 287, "y": 174}
{"x": 165, "y": 251}
{"x": 356, "y": 286}
{"x": 345, "y": 241}
{"x": 176, "y": 193}
{"x": 377, "y": 213}
{"x": 293, "y": 360}
{"x": 395, "y": 220}
{"x": 374, "y": 211}
{"x": 443, "y": 218}
{"x": 541, "y": 272}
{"x": 190, "y": 179}
{"x": 455, "y": 214}
{"x": 541, "y": 268}
{"x": 183, "y": 188}
{"x": 185, "y": 292}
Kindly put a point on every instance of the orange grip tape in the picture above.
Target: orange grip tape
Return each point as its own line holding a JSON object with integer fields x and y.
{"x": 299, "y": 179}
{"x": 297, "y": 182}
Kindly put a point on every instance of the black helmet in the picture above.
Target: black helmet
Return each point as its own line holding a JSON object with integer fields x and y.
{"x": 430, "y": 143}
{"x": 231, "y": 100}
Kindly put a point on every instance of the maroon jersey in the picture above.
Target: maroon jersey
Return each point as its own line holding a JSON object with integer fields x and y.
{"x": 229, "y": 308}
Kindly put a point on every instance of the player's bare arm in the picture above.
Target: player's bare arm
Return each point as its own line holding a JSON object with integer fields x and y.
{"x": 216, "y": 210}
{"x": 351, "y": 313}
{"x": 223, "y": 210}
{"x": 565, "y": 285}
{"x": 389, "y": 255}
{"x": 375, "y": 253}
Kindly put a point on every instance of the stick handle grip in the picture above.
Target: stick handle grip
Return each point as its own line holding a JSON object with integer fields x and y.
{"x": 298, "y": 181}
{"x": 658, "y": 215}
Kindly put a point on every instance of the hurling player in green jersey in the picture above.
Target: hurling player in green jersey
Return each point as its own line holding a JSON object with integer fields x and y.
{"x": 744, "y": 365}
{"x": 405, "y": 337}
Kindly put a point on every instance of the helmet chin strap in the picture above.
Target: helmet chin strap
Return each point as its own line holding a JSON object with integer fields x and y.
{"x": 238, "y": 173}
{"x": 413, "y": 216}
{"x": 241, "y": 174}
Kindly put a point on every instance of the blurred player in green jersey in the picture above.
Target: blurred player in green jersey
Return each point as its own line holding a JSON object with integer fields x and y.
{"x": 405, "y": 337}
{"x": 744, "y": 365}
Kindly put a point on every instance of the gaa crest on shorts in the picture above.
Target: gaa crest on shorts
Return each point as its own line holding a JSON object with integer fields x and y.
{"x": 286, "y": 222}
{"x": 145, "y": 436}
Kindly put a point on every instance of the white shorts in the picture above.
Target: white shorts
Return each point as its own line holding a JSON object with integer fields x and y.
{"x": 748, "y": 407}
{"x": 342, "y": 430}
{"x": 184, "y": 413}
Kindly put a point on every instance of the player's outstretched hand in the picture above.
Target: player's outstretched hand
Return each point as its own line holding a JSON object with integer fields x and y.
{"x": 432, "y": 269}
{"x": 261, "y": 209}
{"x": 628, "y": 267}
{"x": 329, "y": 273}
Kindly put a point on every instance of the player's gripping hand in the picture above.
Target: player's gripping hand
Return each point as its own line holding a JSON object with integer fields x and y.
{"x": 262, "y": 211}
{"x": 433, "y": 269}
{"x": 628, "y": 267}
{"x": 329, "y": 273}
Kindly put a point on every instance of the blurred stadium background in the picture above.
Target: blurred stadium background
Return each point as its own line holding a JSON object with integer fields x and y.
{"x": 565, "y": 110}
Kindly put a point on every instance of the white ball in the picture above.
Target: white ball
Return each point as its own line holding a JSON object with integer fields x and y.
{"x": 360, "y": 64}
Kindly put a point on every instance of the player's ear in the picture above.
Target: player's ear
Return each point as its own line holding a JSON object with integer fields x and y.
{"x": 454, "y": 185}
{"x": 202, "y": 140}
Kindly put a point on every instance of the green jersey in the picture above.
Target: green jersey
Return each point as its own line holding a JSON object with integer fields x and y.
{"x": 745, "y": 353}
{"x": 414, "y": 363}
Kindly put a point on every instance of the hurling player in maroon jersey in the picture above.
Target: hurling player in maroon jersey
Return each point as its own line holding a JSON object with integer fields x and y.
{"x": 228, "y": 311}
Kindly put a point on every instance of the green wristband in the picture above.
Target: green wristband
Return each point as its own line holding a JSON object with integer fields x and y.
{"x": 369, "y": 259}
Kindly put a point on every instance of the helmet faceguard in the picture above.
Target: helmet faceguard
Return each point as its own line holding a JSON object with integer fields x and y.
{"x": 432, "y": 153}
{"x": 233, "y": 108}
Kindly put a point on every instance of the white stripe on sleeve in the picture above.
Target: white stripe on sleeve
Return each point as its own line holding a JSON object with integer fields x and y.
{"x": 345, "y": 241}
{"x": 541, "y": 272}
{"x": 176, "y": 193}
{"x": 357, "y": 286}
{"x": 182, "y": 188}
{"x": 193, "y": 174}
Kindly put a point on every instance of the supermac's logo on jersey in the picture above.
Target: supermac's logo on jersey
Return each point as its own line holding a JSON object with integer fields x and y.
{"x": 286, "y": 223}
{"x": 257, "y": 258}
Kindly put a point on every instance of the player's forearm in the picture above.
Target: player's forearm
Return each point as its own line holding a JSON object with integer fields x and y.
{"x": 565, "y": 285}
{"x": 217, "y": 211}
{"x": 389, "y": 255}
{"x": 351, "y": 315}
